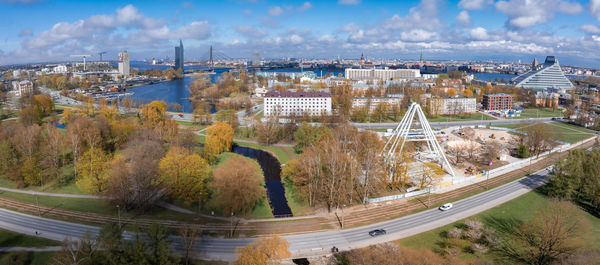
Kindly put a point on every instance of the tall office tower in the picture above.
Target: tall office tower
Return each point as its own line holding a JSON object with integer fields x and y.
{"x": 124, "y": 63}
{"x": 179, "y": 56}
{"x": 256, "y": 59}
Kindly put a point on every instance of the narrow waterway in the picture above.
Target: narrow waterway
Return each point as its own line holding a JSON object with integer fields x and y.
{"x": 272, "y": 171}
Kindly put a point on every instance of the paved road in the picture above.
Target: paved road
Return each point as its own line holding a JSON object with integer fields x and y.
{"x": 454, "y": 123}
{"x": 304, "y": 244}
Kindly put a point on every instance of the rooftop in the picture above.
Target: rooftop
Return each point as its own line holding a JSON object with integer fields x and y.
{"x": 290, "y": 94}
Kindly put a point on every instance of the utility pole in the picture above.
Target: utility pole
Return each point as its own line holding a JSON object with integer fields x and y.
{"x": 38, "y": 205}
{"x": 231, "y": 234}
{"x": 429, "y": 197}
{"x": 119, "y": 215}
{"x": 343, "y": 215}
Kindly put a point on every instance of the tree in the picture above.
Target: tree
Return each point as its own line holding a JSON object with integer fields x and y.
{"x": 268, "y": 131}
{"x": 81, "y": 130}
{"x": 153, "y": 113}
{"x": 189, "y": 235}
{"x": 159, "y": 245}
{"x": 522, "y": 151}
{"x": 269, "y": 251}
{"x": 91, "y": 168}
{"x": 467, "y": 93}
{"x": 390, "y": 253}
{"x": 238, "y": 186}
{"x": 75, "y": 252}
{"x": 551, "y": 234}
{"x": 183, "y": 174}
{"x": 370, "y": 161}
{"x": 53, "y": 151}
{"x": 307, "y": 135}
{"x": 219, "y": 137}
{"x": 452, "y": 92}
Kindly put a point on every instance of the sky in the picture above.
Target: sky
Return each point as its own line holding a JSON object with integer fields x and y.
{"x": 506, "y": 30}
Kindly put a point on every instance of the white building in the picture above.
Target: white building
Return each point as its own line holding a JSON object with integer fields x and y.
{"x": 373, "y": 102}
{"x": 22, "y": 87}
{"x": 60, "y": 69}
{"x": 382, "y": 74}
{"x": 124, "y": 63}
{"x": 296, "y": 103}
{"x": 453, "y": 105}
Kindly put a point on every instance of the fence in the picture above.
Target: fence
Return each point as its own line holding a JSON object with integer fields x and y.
{"x": 563, "y": 145}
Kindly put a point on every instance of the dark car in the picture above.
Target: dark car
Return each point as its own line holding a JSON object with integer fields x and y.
{"x": 377, "y": 232}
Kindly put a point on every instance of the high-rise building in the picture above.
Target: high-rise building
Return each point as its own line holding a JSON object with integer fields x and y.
{"x": 179, "y": 56}
{"x": 124, "y": 63}
{"x": 543, "y": 76}
{"x": 256, "y": 59}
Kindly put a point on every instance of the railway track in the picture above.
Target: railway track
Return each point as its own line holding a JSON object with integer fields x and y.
{"x": 357, "y": 217}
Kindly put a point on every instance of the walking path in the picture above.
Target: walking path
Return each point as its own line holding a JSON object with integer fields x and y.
{"x": 27, "y": 249}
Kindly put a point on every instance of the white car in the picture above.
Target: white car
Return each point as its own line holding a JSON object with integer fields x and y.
{"x": 446, "y": 207}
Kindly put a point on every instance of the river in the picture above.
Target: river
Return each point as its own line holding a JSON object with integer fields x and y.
{"x": 272, "y": 171}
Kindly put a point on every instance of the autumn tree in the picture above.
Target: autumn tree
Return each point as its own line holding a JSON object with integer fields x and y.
{"x": 183, "y": 174}
{"x": 389, "y": 253}
{"x": 238, "y": 186}
{"x": 370, "y": 162}
{"x": 551, "y": 234}
{"x": 90, "y": 167}
{"x": 267, "y": 131}
{"x": 271, "y": 250}
{"x": 53, "y": 151}
{"x": 219, "y": 137}
{"x": 307, "y": 135}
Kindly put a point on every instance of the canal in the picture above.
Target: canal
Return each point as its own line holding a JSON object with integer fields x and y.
{"x": 272, "y": 171}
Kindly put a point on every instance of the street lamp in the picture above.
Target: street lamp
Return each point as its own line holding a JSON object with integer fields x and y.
{"x": 231, "y": 235}
{"x": 343, "y": 205}
{"x": 429, "y": 196}
{"x": 119, "y": 215}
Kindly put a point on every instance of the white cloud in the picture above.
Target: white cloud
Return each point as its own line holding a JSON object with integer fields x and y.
{"x": 418, "y": 35}
{"x": 474, "y": 4}
{"x": 247, "y": 12}
{"x": 594, "y": 7}
{"x": 527, "y": 13}
{"x": 251, "y": 32}
{"x": 25, "y": 33}
{"x": 463, "y": 18}
{"x": 590, "y": 29}
{"x": 479, "y": 33}
{"x": 305, "y": 6}
{"x": 349, "y": 2}
{"x": 275, "y": 11}
{"x": 422, "y": 16}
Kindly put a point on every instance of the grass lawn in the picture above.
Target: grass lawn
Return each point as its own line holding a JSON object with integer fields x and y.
{"x": 539, "y": 113}
{"x": 35, "y": 258}
{"x": 298, "y": 206}
{"x": 559, "y": 131}
{"x": 12, "y": 239}
{"x": 191, "y": 125}
{"x": 522, "y": 208}
{"x": 282, "y": 153}
{"x": 466, "y": 117}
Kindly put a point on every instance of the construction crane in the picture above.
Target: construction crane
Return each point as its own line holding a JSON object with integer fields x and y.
{"x": 84, "y": 56}
{"x": 100, "y": 53}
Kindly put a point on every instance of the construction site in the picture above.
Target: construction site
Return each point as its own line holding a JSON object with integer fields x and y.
{"x": 422, "y": 158}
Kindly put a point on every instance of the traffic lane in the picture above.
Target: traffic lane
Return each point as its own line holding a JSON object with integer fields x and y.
{"x": 342, "y": 238}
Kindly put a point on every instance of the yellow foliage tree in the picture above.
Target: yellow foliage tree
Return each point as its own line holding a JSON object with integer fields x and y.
{"x": 219, "y": 138}
{"x": 90, "y": 171}
{"x": 183, "y": 174}
{"x": 452, "y": 92}
{"x": 270, "y": 251}
{"x": 467, "y": 93}
{"x": 154, "y": 112}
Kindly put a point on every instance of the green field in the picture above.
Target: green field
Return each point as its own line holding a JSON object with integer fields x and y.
{"x": 12, "y": 239}
{"x": 521, "y": 208}
{"x": 539, "y": 113}
{"x": 559, "y": 131}
{"x": 465, "y": 117}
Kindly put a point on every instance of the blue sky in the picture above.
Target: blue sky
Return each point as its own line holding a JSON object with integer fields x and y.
{"x": 48, "y": 30}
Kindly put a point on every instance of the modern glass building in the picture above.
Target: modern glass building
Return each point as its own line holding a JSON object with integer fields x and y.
{"x": 543, "y": 76}
{"x": 179, "y": 56}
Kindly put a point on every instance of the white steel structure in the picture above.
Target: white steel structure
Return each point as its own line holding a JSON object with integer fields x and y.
{"x": 405, "y": 132}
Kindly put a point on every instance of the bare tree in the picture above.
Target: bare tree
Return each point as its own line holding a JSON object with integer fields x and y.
{"x": 189, "y": 235}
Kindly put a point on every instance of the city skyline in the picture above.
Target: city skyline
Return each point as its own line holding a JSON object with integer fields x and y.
{"x": 461, "y": 30}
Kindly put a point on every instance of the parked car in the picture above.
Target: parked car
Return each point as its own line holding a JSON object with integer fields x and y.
{"x": 446, "y": 207}
{"x": 377, "y": 232}
{"x": 180, "y": 115}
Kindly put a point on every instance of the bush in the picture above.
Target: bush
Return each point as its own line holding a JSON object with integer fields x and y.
{"x": 523, "y": 151}
{"x": 16, "y": 258}
{"x": 479, "y": 248}
{"x": 473, "y": 234}
{"x": 473, "y": 224}
{"x": 454, "y": 233}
